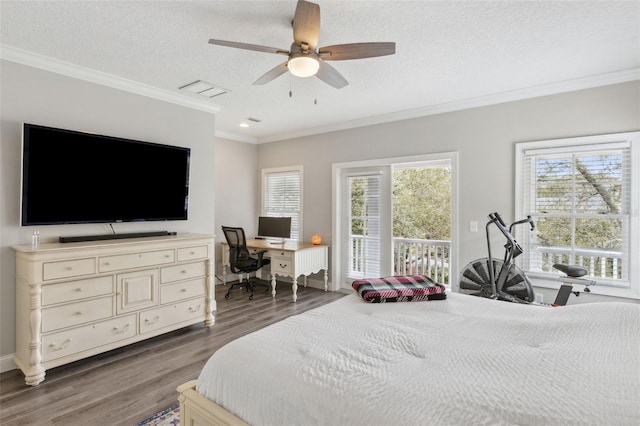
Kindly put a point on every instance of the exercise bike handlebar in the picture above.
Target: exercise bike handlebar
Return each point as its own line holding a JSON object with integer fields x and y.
{"x": 529, "y": 220}
{"x": 512, "y": 244}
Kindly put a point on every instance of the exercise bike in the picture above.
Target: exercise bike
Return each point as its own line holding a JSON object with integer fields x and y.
{"x": 503, "y": 280}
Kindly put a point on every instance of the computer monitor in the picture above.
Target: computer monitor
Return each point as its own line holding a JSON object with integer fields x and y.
{"x": 274, "y": 227}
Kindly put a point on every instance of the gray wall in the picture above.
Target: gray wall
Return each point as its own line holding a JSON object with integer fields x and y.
{"x": 40, "y": 97}
{"x": 484, "y": 138}
{"x": 237, "y": 191}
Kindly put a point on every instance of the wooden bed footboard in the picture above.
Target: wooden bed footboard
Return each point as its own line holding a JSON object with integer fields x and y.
{"x": 196, "y": 410}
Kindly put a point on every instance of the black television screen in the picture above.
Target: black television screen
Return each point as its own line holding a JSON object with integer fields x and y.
{"x": 274, "y": 227}
{"x": 74, "y": 177}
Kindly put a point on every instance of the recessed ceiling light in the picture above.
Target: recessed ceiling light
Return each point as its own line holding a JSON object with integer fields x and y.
{"x": 202, "y": 88}
{"x": 244, "y": 124}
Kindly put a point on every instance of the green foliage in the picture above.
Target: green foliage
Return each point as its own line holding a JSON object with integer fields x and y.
{"x": 579, "y": 187}
{"x": 422, "y": 203}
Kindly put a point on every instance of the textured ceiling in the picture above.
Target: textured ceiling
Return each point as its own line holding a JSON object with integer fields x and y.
{"x": 447, "y": 52}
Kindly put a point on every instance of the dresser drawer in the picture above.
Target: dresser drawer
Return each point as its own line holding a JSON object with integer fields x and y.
{"x": 77, "y": 313}
{"x": 193, "y": 253}
{"x": 68, "y": 269}
{"x": 136, "y": 260}
{"x": 182, "y": 290}
{"x": 282, "y": 266}
{"x": 76, "y": 290}
{"x": 182, "y": 272}
{"x": 167, "y": 316}
{"x": 68, "y": 342}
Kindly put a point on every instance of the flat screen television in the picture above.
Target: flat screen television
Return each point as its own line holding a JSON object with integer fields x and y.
{"x": 71, "y": 177}
{"x": 274, "y": 227}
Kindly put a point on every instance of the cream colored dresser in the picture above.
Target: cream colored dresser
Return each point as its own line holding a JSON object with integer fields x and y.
{"x": 75, "y": 300}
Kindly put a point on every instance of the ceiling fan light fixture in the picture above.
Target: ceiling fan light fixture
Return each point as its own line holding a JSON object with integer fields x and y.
{"x": 303, "y": 65}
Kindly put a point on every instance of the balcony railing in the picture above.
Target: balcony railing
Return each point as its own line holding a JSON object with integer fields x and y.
{"x": 606, "y": 264}
{"x": 410, "y": 257}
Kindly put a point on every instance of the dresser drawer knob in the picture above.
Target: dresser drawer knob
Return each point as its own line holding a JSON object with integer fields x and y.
{"x": 79, "y": 313}
{"x": 55, "y": 347}
{"x": 184, "y": 290}
{"x": 196, "y": 309}
{"x": 79, "y": 289}
{"x": 123, "y": 329}
{"x": 283, "y": 266}
{"x": 69, "y": 268}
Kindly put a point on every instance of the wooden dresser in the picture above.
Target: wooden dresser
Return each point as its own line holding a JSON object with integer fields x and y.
{"x": 75, "y": 300}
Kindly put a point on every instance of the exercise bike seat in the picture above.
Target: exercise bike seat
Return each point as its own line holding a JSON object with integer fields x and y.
{"x": 573, "y": 271}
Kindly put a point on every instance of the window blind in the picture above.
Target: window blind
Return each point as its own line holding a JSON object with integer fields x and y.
{"x": 363, "y": 254}
{"x": 282, "y": 196}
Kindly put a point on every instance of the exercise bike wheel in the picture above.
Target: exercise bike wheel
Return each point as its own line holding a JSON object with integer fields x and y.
{"x": 475, "y": 280}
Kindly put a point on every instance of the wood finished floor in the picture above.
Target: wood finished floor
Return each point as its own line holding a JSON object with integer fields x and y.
{"x": 127, "y": 385}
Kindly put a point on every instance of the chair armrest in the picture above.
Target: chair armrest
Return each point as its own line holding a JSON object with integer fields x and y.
{"x": 260, "y": 254}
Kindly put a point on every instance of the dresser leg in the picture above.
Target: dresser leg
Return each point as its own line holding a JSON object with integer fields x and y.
{"x": 294, "y": 288}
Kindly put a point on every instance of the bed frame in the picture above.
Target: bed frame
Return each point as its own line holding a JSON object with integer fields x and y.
{"x": 196, "y": 410}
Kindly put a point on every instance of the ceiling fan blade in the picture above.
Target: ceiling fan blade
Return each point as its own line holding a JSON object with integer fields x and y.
{"x": 272, "y": 74}
{"x": 331, "y": 76}
{"x": 306, "y": 24}
{"x": 341, "y": 52}
{"x": 247, "y": 46}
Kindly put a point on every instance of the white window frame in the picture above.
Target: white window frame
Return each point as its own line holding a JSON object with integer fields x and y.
{"x": 631, "y": 291}
{"x": 339, "y": 170}
{"x": 279, "y": 170}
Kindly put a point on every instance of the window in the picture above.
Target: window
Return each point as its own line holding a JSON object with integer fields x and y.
{"x": 365, "y": 234}
{"x": 282, "y": 196}
{"x": 583, "y": 195}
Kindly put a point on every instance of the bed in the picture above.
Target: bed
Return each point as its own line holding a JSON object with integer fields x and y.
{"x": 460, "y": 361}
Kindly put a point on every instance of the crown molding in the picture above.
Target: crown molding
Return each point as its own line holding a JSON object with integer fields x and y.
{"x": 481, "y": 101}
{"x": 236, "y": 137}
{"x": 68, "y": 69}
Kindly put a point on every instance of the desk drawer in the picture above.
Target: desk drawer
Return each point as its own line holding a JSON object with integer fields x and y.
{"x": 282, "y": 254}
{"x": 76, "y": 313}
{"x": 136, "y": 260}
{"x": 76, "y": 290}
{"x": 193, "y": 253}
{"x": 282, "y": 266}
{"x": 68, "y": 342}
{"x": 182, "y": 272}
{"x": 68, "y": 268}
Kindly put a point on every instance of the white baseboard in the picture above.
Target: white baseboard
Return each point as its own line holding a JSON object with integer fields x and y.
{"x": 7, "y": 364}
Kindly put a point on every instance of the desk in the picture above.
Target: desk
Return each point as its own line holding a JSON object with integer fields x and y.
{"x": 289, "y": 259}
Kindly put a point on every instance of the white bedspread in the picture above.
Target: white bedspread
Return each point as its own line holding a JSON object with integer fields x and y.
{"x": 463, "y": 361}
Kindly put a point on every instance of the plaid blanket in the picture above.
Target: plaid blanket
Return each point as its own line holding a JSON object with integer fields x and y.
{"x": 413, "y": 288}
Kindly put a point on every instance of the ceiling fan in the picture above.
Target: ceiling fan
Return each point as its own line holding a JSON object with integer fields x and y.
{"x": 305, "y": 59}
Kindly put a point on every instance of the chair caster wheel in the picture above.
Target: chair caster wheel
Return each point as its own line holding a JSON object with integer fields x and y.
{"x": 251, "y": 297}
{"x": 226, "y": 296}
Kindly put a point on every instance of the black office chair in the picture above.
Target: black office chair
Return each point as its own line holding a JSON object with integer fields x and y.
{"x": 241, "y": 261}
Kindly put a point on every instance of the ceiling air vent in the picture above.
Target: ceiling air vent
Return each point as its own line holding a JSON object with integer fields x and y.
{"x": 204, "y": 89}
